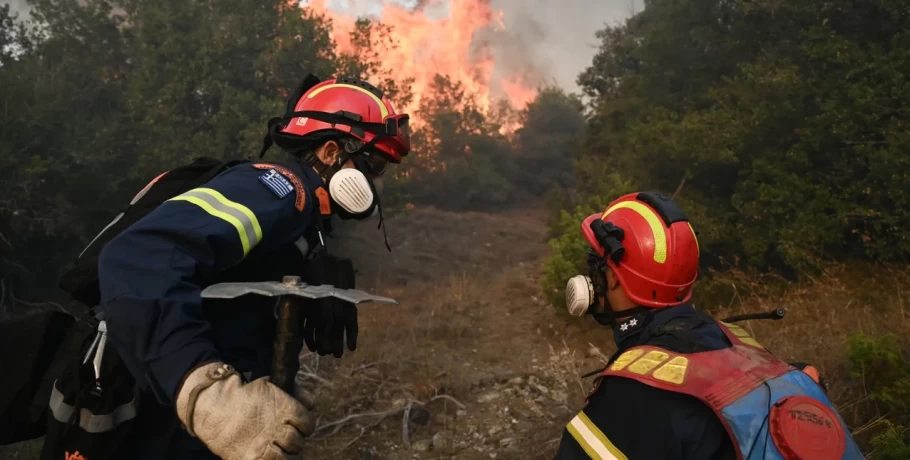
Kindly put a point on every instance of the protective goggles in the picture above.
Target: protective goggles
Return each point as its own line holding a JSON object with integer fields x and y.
{"x": 394, "y": 129}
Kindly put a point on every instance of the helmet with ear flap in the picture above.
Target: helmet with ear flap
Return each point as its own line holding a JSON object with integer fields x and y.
{"x": 655, "y": 255}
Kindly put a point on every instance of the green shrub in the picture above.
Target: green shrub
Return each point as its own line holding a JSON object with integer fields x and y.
{"x": 568, "y": 245}
{"x": 568, "y": 258}
{"x": 891, "y": 444}
{"x": 879, "y": 362}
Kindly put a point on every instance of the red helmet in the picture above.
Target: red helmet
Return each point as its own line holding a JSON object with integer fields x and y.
{"x": 648, "y": 242}
{"x": 353, "y": 107}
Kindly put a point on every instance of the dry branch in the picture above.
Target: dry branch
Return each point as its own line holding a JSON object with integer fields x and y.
{"x": 351, "y": 442}
{"x": 406, "y": 410}
{"x": 679, "y": 188}
{"x": 362, "y": 368}
{"x": 404, "y": 424}
{"x": 457, "y": 403}
{"x": 313, "y": 376}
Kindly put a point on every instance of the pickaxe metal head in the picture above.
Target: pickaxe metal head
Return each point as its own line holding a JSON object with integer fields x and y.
{"x": 290, "y": 285}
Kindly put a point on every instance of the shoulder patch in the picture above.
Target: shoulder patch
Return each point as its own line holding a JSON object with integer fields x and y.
{"x": 276, "y": 183}
{"x": 281, "y": 181}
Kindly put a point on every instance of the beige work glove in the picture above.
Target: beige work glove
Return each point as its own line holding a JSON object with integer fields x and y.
{"x": 238, "y": 421}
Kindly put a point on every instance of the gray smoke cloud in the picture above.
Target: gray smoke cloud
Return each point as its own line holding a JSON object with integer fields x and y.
{"x": 547, "y": 41}
{"x": 554, "y": 41}
{"x": 18, "y": 6}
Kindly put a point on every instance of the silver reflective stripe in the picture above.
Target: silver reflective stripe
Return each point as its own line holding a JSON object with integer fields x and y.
{"x": 235, "y": 213}
{"x": 116, "y": 219}
{"x": 88, "y": 421}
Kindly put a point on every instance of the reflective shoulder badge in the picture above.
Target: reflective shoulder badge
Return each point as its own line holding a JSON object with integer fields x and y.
{"x": 281, "y": 181}
{"x": 276, "y": 183}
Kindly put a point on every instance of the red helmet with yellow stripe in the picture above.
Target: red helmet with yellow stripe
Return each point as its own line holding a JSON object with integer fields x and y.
{"x": 647, "y": 241}
{"x": 355, "y": 108}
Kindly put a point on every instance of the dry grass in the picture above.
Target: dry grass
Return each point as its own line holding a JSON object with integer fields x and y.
{"x": 472, "y": 326}
{"x": 478, "y": 327}
{"x": 821, "y": 314}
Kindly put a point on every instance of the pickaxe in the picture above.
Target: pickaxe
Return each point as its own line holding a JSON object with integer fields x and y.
{"x": 291, "y": 293}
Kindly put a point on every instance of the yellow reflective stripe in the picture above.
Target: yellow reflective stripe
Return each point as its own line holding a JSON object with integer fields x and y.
{"x": 697, "y": 246}
{"x": 238, "y": 215}
{"x": 382, "y": 108}
{"x": 592, "y": 440}
{"x": 257, "y": 230}
{"x": 657, "y": 227}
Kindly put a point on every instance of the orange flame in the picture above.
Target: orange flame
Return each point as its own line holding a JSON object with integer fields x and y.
{"x": 427, "y": 46}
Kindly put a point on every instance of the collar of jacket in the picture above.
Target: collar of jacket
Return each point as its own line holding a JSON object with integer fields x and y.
{"x": 628, "y": 333}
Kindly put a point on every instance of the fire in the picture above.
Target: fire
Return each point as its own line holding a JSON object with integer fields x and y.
{"x": 427, "y": 46}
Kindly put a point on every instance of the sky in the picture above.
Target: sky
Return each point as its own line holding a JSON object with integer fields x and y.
{"x": 554, "y": 38}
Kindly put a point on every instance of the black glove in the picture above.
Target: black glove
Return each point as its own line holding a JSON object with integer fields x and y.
{"x": 328, "y": 320}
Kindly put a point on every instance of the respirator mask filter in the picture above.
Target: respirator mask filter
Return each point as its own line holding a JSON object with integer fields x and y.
{"x": 579, "y": 295}
{"x": 352, "y": 194}
{"x": 582, "y": 292}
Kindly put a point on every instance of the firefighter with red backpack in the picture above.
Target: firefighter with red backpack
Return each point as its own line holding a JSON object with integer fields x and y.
{"x": 199, "y": 367}
{"x": 683, "y": 385}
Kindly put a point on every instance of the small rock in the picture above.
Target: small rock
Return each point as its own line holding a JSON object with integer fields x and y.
{"x": 516, "y": 381}
{"x": 493, "y": 455}
{"x": 558, "y": 396}
{"x": 494, "y": 429}
{"x": 461, "y": 413}
{"x": 514, "y": 421}
{"x": 441, "y": 441}
{"x": 487, "y": 397}
{"x": 542, "y": 389}
{"x": 506, "y": 442}
{"x": 532, "y": 379}
{"x": 423, "y": 445}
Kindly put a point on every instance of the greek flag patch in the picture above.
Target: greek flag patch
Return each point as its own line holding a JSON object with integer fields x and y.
{"x": 277, "y": 183}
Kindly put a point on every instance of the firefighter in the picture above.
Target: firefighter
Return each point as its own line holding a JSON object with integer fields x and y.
{"x": 681, "y": 384}
{"x": 203, "y": 368}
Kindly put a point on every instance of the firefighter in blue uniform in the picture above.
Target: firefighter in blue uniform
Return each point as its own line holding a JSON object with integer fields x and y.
{"x": 203, "y": 364}
{"x": 681, "y": 384}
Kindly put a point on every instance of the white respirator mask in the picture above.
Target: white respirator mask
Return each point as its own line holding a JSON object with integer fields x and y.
{"x": 579, "y": 295}
{"x": 352, "y": 194}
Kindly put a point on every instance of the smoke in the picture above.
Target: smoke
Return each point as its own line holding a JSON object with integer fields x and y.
{"x": 18, "y": 6}
{"x": 552, "y": 42}
{"x": 543, "y": 41}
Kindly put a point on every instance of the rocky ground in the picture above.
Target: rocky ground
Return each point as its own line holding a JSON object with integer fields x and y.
{"x": 483, "y": 367}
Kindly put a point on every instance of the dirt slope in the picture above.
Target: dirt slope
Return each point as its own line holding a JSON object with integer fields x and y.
{"x": 471, "y": 326}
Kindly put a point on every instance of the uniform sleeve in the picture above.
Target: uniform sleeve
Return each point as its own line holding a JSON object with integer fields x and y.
{"x": 151, "y": 275}
{"x": 626, "y": 419}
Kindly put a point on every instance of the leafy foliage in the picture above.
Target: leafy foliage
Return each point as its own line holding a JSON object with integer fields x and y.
{"x": 100, "y": 96}
{"x": 467, "y": 160}
{"x": 781, "y": 125}
{"x": 891, "y": 443}
{"x": 880, "y": 363}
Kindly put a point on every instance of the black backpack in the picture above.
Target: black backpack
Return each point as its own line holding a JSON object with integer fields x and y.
{"x": 81, "y": 278}
{"x": 90, "y": 399}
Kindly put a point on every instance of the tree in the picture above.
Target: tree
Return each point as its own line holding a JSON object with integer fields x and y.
{"x": 101, "y": 96}
{"x": 779, "y": 125}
